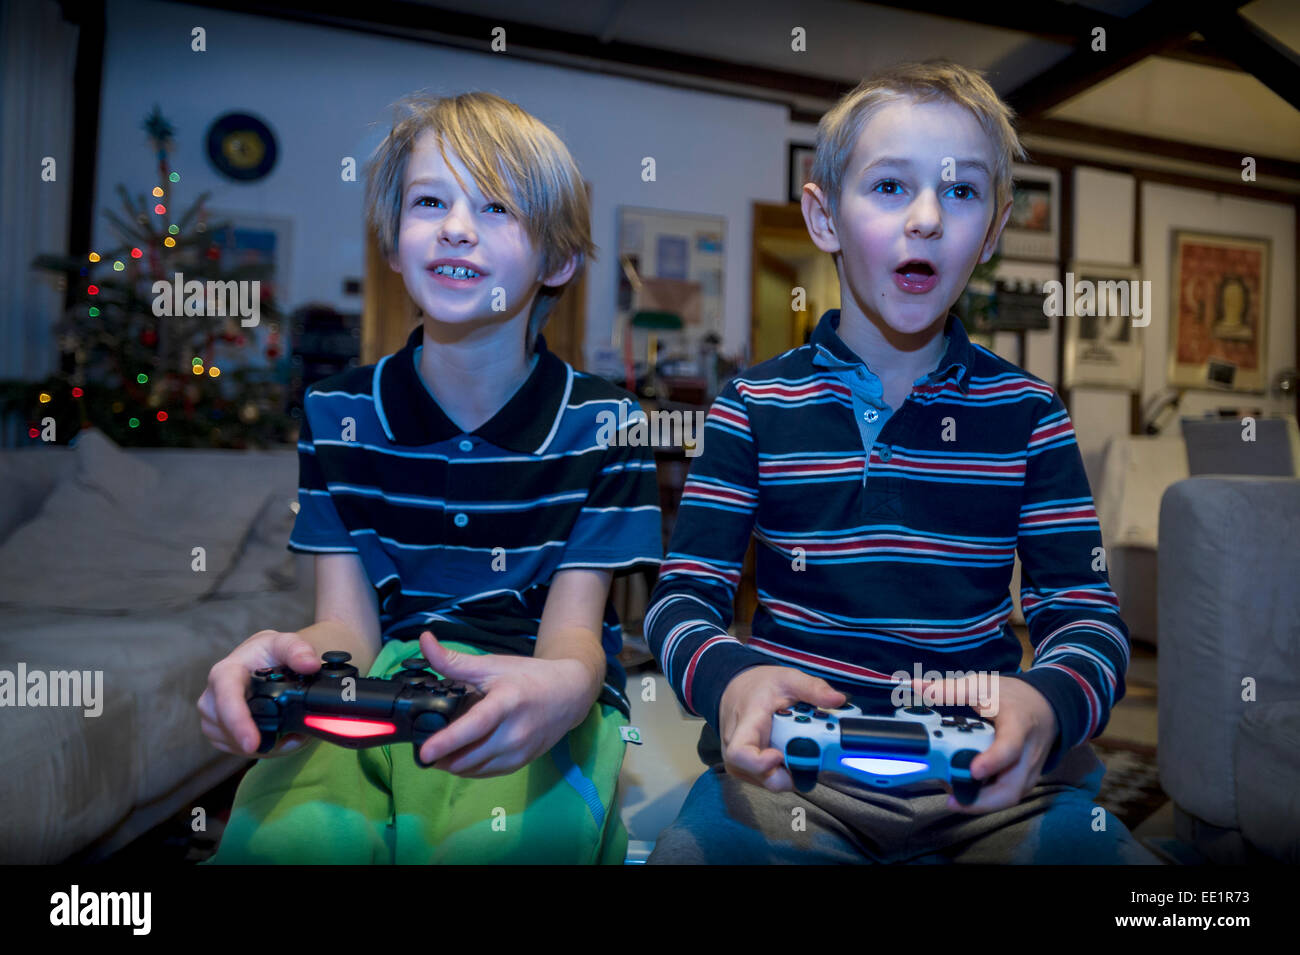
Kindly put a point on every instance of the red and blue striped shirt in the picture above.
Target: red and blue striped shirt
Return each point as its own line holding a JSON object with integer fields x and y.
{"x": 886, "y": 539}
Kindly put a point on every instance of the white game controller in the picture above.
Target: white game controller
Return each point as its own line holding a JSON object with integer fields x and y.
{"x": 914, "y": 743}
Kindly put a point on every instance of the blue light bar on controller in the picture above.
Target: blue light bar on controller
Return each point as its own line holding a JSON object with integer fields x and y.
{"x": 881, "y": 767}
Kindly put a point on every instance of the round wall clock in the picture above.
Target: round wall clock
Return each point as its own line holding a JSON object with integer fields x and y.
{"x": 241, "y": 146}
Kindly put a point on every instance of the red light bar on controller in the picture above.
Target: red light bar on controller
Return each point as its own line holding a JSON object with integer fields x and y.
{"x": 340, "y": 726}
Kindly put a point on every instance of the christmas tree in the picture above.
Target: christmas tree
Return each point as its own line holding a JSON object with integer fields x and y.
{"x": 149, "y": 374}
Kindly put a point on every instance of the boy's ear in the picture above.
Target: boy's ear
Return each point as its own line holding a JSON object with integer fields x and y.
{"x": 817, "y": 216}
{"x": 995, "y": 232}
{"x": 563, "y": 273}
{"x": 394, "y": 263}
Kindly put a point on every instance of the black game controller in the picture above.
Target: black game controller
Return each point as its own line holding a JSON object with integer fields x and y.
{"x": 340, "y": 706}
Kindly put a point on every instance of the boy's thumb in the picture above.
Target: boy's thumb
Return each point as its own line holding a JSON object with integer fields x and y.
{"x": 451, "y": 663}
{"x": 819, "y": 692}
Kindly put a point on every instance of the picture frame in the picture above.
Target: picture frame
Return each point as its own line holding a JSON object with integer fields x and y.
{"x": 1219, "y": 311}
{"x": 1033, "y": 231}
{"x": 669, "y": 263}
{"x": 1103, "y": 350}
{"x": 798, "y": 168}
{"x": 254, "y": 240}
{"x": 262, "y": 245}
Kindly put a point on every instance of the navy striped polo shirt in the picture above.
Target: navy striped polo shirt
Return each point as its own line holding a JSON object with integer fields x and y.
{"x": 886, "y": 538}
{"x": 461, "y": 533}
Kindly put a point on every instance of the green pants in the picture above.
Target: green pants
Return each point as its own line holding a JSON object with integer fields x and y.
{"x": 327, "y": 804}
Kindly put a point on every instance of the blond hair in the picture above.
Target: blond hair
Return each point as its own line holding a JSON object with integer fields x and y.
{"x": 932, "y": 81}
{"x": 514, "y": 159}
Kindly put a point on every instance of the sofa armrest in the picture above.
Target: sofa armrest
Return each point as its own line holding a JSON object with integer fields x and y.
{"x": 1229, "y": 625}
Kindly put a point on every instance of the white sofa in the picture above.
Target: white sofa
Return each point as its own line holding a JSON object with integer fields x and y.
{"x": 99, "y": 572}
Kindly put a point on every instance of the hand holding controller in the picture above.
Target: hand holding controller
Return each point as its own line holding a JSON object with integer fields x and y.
{"x": 914, "y": 743}
{"x": 340, "y": 706}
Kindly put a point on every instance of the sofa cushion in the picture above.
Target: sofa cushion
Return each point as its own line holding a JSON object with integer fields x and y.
{"x": 125, "y": 479}
{"x": 99, "y": 546}
{"x": 1268, "y": 778}
{"x": 27, "y": 476}
{"x": 65, "y": 777}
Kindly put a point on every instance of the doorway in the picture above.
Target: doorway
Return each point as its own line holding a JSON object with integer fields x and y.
{"x": 785, "y": 261}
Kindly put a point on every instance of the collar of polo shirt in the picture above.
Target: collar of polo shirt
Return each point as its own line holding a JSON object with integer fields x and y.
{"x": 410, "y": 415}
{"x": 830, "y": 350}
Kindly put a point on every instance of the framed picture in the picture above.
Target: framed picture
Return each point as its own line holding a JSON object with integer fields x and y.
{"x": 1102, "y": 346}
{"x": 798, "y": 169}
{"x": 1033, "y": 231}
{"x": 252, "y": 247}
{"x": 671, "y": 261}
{"x": 1220, "y": 286}
{"x": 244, "y": 240}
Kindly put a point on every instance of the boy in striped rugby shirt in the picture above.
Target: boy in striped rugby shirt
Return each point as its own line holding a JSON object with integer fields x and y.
{"x": 889, "y": 471}
{"x": 458, "y": 488}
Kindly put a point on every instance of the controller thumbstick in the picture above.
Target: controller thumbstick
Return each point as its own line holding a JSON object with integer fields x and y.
{"x": 415, "y": 663}
{"x": 335, "y": 658}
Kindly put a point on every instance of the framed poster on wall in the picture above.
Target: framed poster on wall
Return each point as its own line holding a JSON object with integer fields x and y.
{"x": 672, "y": 261}
{"x": 1103, "y": 348}
{"x": 798, "y": 169}
{"x": 1034, "y": 229}
{"x": 1218, "y": 329}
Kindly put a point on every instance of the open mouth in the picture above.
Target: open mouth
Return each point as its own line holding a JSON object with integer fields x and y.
{"x": 916, "y": 269}
{"x": 462, "y": 272}
{"x": 916, "y": 277}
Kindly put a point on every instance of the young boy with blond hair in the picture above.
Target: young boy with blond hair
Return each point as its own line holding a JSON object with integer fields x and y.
{"x": 889, "y": 471}
{"x": 461, "y": 508}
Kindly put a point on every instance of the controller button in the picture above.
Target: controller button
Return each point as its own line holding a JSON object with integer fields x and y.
{"x": 415, "y": 663}
{"x": 783, "y": 713}
{"x": 803, "y": 747}
{"x": 439, "y": 690}
{"x": 335, "y": 658}
{"x": 263, "y": 671}
{"x": 429, "y": 722}
{"x": 938, "y": 732}
{"x": 917, "y": 710}
{"x": 804, "y": 707}
{"x": 413, "y": 679}
{"x": 962, "y": 759}
{"x": 457, "y": 689}
{"x": 821, "y": 715}
{"x": 803, "y": 719}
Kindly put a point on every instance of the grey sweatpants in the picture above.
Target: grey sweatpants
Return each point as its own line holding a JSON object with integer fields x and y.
{"x": 728, "y": 821}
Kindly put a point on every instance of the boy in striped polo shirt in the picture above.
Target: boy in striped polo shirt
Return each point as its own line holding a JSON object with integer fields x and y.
{"x": 888, "y": 471}
{"x": 459, "y": 487}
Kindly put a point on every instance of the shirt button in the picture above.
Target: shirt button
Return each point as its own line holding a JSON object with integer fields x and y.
{"x": 886, "y": 453}
{"x": 467, "y": 445}
{"x": 460, "y": 520}
{"x": 861, "y": 373}
{"x": 871, "y": 415}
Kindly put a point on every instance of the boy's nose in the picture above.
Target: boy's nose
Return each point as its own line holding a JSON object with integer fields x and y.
{"x": 924, "y": 218}
{"x": 455, "y": 228}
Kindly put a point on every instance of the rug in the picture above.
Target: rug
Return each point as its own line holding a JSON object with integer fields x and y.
{"x": 1131, "y": 787}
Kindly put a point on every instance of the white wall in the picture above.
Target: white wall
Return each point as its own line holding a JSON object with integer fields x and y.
{"x": 324, "y": 93}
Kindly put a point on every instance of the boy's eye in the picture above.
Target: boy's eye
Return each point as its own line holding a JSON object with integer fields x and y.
{"x": 970, "y": 191}
{"x": 424, "y": 199}
{"x": 888, "y": 182}
{"x": 495, "y": 207}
